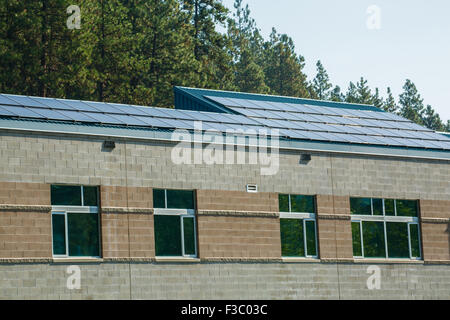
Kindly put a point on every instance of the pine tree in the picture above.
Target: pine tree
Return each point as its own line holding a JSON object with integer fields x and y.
{"x": 431, "y": 119}
{"x": 352, "y": 95}
{"x": 321, "y": 84}
{"x": 411, "y": 103}
{"x": 284, "y": 68}
{"x": 336, "y": 95}
{"x": 363, "y": 92}
{"x": 249, "y": 75}
{"x": 389, "y": 104}
{"x": 377, "y": 100}
{"x": 211, "y": 48}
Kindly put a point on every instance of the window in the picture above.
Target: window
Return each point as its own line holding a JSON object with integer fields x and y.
{"x": 298, "y": 226}
{"x": 75, "y": 221}
{"x": 385, "y": 228}
{"x": 175, "y": 224}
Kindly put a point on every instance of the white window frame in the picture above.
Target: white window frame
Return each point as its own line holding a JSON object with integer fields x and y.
{"x": 64, "y": 210}
{"x": 305, "y": 216}
{"x": 384, "y": 218}
{"x": 182, "y": 213}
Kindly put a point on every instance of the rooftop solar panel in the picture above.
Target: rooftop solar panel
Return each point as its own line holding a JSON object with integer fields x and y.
{"x": 5, "y": 112}
{"x": 105, "y": 107}
{"x": 25, "y": 101}
{"x": 52, "y": 103}
{"x": 78, "y": 116}
{"x": 80, "y": 106}
{"x": 50, "y": 114}
{"x": 5, "y": 100}
{"x": 104, "y": 118}
{"x": 23, "y": 112}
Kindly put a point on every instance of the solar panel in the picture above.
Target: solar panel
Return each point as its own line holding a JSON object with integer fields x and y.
{"x": 52, "y": 103}
{"x": 344, "y": 120}
{"x": 104, "y": 118}
{"x": 77, "y": 116}
{"x": 49, "y": 114}
{"x": 303, "y": 108}
{"x": 80, "y": 106}
{"x": 7, "y": 101}
{"x": 326, "y": 119}
{"x": 221, "y": 100}
{"x": 307, "y": 117}
{"x": 25, "y": 101}
{"x": 129, "y": 120}
{"x": 23, "y": 112}
{"x": 156, "y": 112}
{"x": 104, "y": 107}
{"x": 5, "y": 112}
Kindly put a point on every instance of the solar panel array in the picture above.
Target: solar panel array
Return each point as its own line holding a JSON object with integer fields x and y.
{"x": 346, "y": 124}
{"x": 296, "y": 121}
{"x": 14, "y": 106}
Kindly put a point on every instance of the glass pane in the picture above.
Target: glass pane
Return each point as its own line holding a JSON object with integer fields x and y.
{"x": 310, "y": 227}
{"x": 83, "y": 234}
{"x": 283, "y": 202}
{"x": 397, "y": 239}
{"x": 159, "y": 198}
{"x": 189, "y": 236}
{"x": 415, "y": 240}
{"x": 66, "y": 195}
{"x": 356, "y": 236}
{"x": 292, "y": 241}
{"x": 407, "y": 208}
{"x": 59, "y": 234}
{"x": 180, "y": 199}
{"x": 90, "y": 196}
{"x": 167, "y": 236}
{"x": 389, "y": 207}
{"x": 302, "y": 203}
{"x": 373, "y": 235}
{"x": 360, "y": 206}
{"x": 377, "y": 207}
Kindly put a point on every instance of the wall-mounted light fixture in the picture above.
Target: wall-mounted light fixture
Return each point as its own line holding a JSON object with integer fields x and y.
{"x": 305, "y": 158}
{"x": 109, "y": 145}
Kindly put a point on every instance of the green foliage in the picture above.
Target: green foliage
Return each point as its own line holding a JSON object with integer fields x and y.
{"x": 283, "y": 67}
{"x": 321, "y": 84}
{"x": 411, "y": 103}
{"x": 389, "y": 104}
{"x": 132, "y": 51}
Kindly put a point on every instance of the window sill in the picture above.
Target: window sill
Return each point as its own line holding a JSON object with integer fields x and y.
{"x": 300, "y": 260}
{"x": 387, "y": 261}
{"x": 77, "y": 260}
{"x": 177, "y": 260}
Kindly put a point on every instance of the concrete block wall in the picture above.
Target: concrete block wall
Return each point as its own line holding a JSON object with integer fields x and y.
{"x": 232, "y": 224}
{"x": 224, "y": 281}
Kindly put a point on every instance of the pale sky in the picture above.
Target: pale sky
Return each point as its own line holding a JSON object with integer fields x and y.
{"x": 413, "y": 42}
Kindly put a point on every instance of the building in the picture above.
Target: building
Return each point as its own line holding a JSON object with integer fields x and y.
{"x": 108, "y": 201}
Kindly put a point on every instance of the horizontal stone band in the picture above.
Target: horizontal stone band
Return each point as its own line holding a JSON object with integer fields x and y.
{"x": 232, "y": 213}
{"x": 24, "y": 208}
{"x": 127, "y": 210}
{"x": 330, "y": 216}
{"x": 436, "y": 220}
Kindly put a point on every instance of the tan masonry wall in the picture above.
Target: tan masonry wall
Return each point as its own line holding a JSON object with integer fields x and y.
{"x": 334, "y": 227}
{"x": 126, "y": 175}
{"x": 435, "y": 224}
